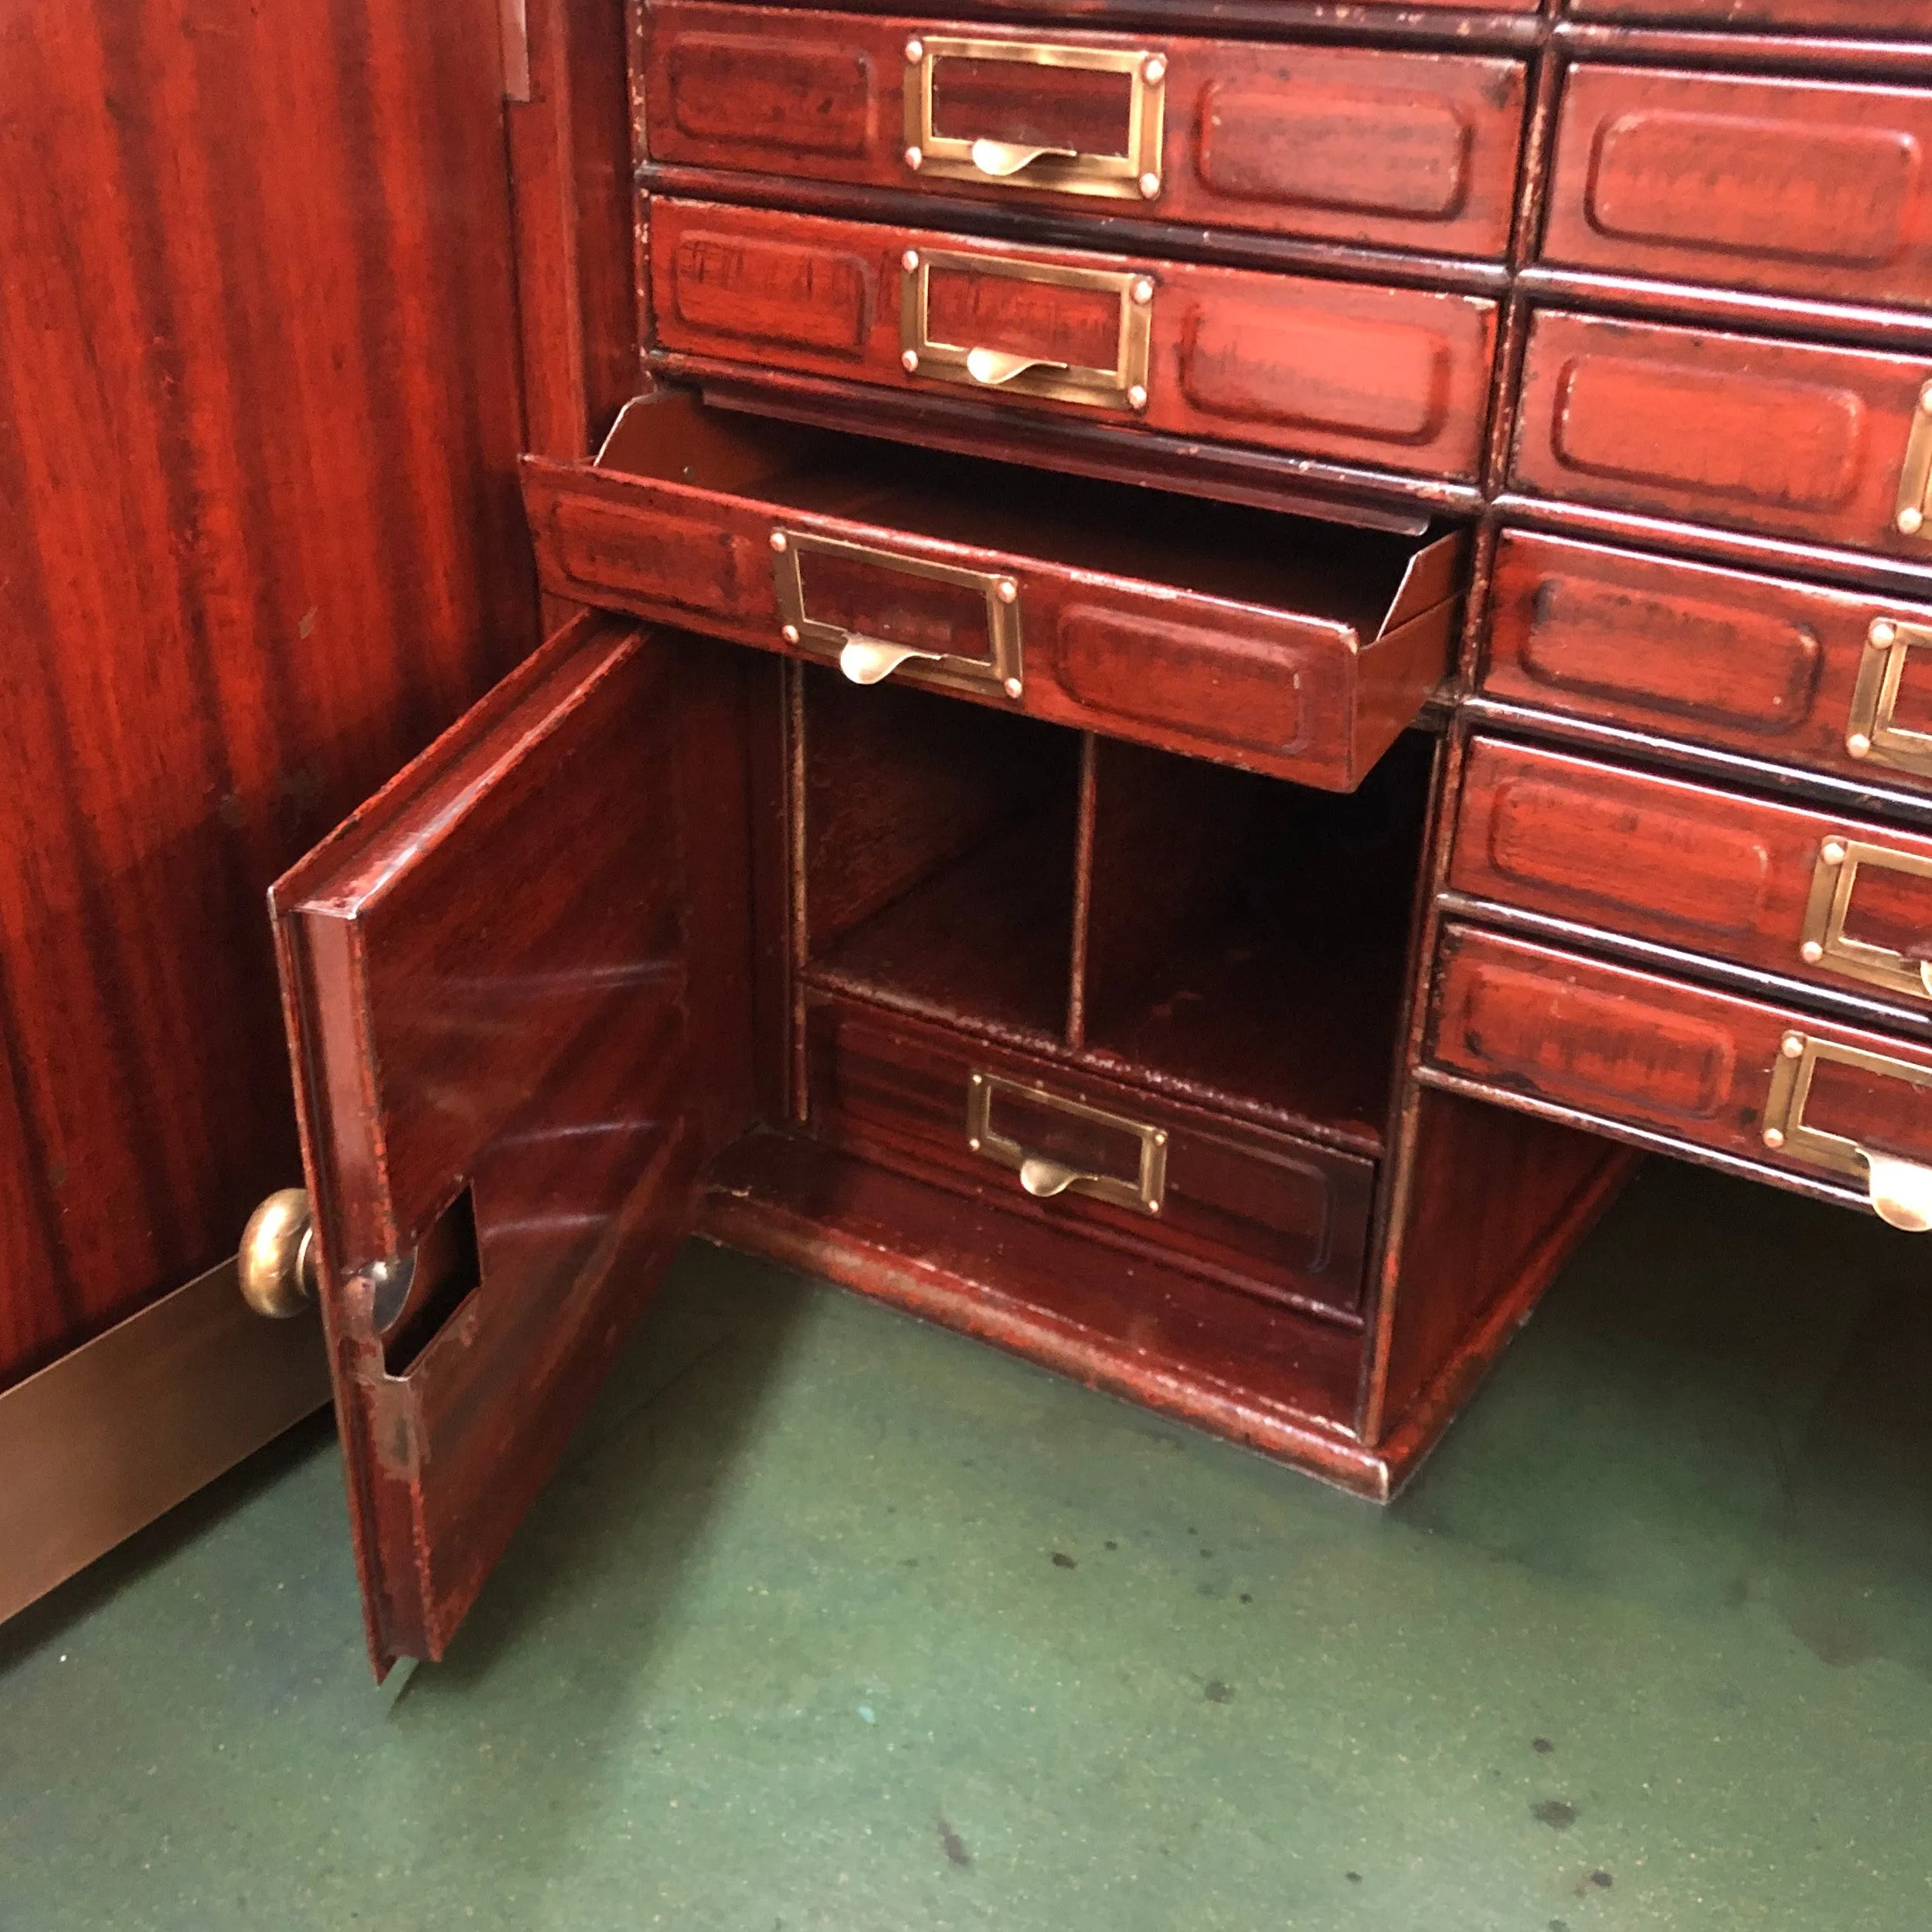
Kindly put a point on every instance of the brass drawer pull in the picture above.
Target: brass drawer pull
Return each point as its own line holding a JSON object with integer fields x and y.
{"x": 1900, "y": 1191}
{"x": 1133, "y": 174}
{"x": 994, "y": 367}
{"x": 867, "y": 660}
{"x": 1122, "y": 385}
{"x": 1042, "y": 1176}
{"x": 1823, "y": 940}
{"x": 1869, "y": 732}
{"x": 1001, "y": 160}
{"x": 1915, "y": 478}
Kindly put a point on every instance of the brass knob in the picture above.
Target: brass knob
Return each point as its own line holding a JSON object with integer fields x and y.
{"x": 278, "y": 1255}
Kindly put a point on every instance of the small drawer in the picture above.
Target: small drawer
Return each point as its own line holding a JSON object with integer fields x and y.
{"x": 1839, "y": 902}
{"x": 1830, "y": 446}
{"x": 1295, "y": 648}
{"x": 1832, "y": 681}
{"x": 1272, "y": 1217}
{"x": 1793, "y": 188}
{"x": 1843, "y": 1110}
{"x": 1391, "y": 379}
{"x": 1415, "y": 151}
{"x": 1888, "y": 17}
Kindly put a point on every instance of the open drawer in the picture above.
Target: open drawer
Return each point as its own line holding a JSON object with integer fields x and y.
{"x": 1298, "y": 648}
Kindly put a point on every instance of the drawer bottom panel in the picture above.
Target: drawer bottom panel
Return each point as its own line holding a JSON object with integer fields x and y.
{"x": 1825, "y": 1107}
{"x": 1262, "y": 1213}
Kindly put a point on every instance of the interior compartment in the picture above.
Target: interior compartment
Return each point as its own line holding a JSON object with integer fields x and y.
{"x": 1246, "y": 939}
{"x": 1234, "y": 941}
{"x": 938, "y": 853}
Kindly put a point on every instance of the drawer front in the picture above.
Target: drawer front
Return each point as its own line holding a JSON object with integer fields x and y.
{"x": 1839, "y": 902}
{"x": 1338, "y": 144}
{"x": 1901, "y": 17}
{"x": 1827, "y": 1103}
{"x": 1394, "y": 379}
{"x": 1262, "y": 1213}
{"x": 1830, "y": 446}
{"x": 1832, "y": 680}
{"x": 1297, "y": 696}
{"x": 1794, "y": 188}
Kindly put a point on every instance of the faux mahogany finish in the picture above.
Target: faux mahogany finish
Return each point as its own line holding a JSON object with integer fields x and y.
{"x": 1780, "y": 438}
{"x": 1758, "y": 665}
{"x": 1394, "y": 378}
{"x": 1618, "y": 1047}
{"x": 489, "y": 976}
{"x": 1259, "y": 1212}
{"x": 1354, "y": 144}
{"x": 1248, "y": 1369}
{"x": 222, "y": 624}
{"x": 1899, "y": 17}
{"x": 1748, "y": 181}
{"x": 1287, "y": 646}
{"x": 1684, "y": 865}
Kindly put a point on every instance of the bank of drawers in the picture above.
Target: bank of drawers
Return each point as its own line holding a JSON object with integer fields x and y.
{"x": 1688, "y": 895}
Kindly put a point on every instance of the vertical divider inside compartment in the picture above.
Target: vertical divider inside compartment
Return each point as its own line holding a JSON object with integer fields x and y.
{"x": 1083, "y": 891}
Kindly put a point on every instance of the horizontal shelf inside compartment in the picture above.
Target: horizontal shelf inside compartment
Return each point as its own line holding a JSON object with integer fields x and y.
{"x": 939, "y": 854}
{"x": 1245, "y": 937}
{"x": 1335, "y": 572}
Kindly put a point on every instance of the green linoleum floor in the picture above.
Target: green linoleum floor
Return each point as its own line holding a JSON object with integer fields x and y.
{"x": 835, "y": 1621}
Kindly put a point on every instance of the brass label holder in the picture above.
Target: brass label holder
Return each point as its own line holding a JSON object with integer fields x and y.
{"x": 1122, "y": 386}
{"x": 1900, "y": 1191}
{"x": 866, "y": 660}
{"x": 1913, "y": 516}
{"x": 1045, "y": 1178}
{"x": 1824, "y": 941}
{"x": 1869, "y": 732}
{"x": 1132, "y": 174}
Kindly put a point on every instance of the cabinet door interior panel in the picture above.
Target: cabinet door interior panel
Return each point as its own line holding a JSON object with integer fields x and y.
{"x": 1353, "y": 145}
{"x": 1387, "y": 378}
{"x": 500, "y": 1054}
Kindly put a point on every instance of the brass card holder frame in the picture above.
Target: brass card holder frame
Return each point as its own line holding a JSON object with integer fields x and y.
{"x": 866, "y": 660}
{"x": 1823, "y": 940}
{"x": 1044, "y": 1178}
{"x": 1869, "y": 732}
{"x": 1123, "y": 386}
{"x": 1900, "y": 1191}
{"x": 1133, "y": 175}
{"x": 1913, "y": 517}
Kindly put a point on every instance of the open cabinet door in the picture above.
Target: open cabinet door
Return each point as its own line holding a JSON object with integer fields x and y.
{"x": 487, "y": 978}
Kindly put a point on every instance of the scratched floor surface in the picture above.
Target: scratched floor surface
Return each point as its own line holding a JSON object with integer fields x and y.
{"x": 834, "y": 1621}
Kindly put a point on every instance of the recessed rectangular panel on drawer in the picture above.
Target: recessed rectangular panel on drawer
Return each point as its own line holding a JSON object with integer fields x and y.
{"x": 1886, "y": 17}
{"x": 1261, "y": 1212}
{"x": 1802, "y": 188}
{"x": 1836, "y": 901}
{"x": 1834, "y": 681}
{"x": 1387, "y": 378}
{"x": 1822, "y": 1103}
{"x": 1298, "y": 648}
{"x": 1830, "y": 446}
{"x": 1403, "y": 150}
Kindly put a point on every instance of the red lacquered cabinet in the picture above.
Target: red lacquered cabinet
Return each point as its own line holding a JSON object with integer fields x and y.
{"x": 1196, "y": 666}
